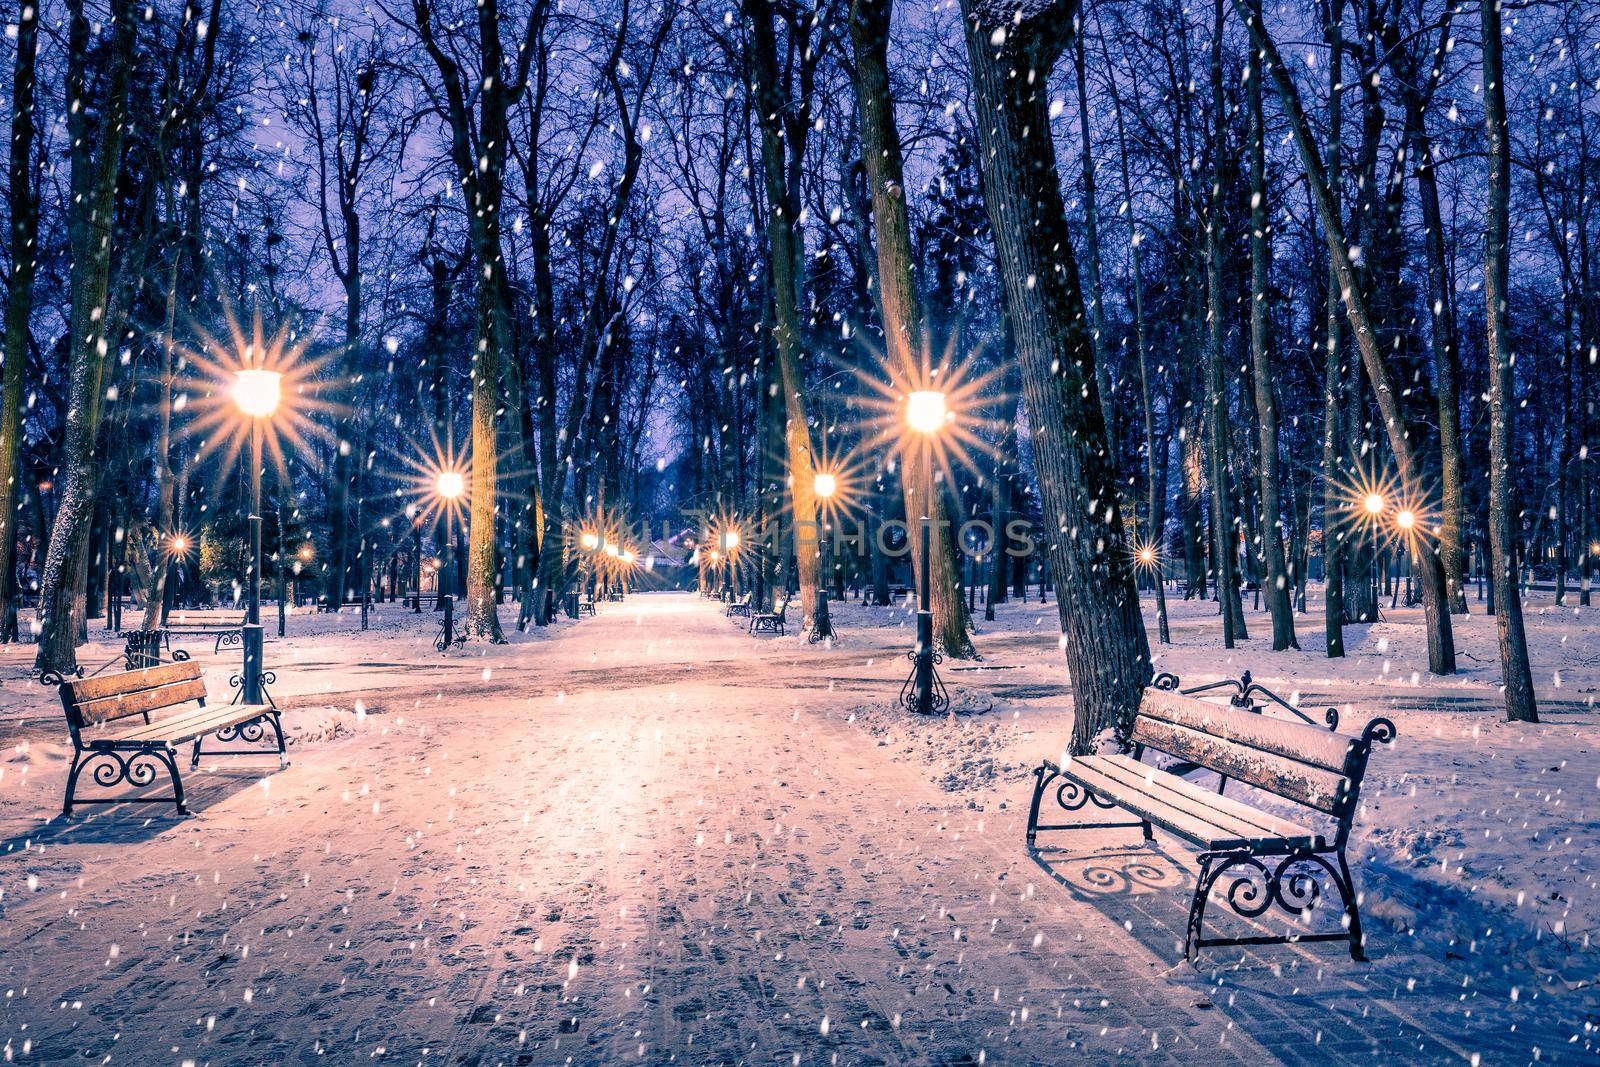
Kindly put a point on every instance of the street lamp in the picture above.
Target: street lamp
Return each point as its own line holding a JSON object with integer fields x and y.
{"x": 825, "y": 485}
{"x": 926, "y": 414}
{"x": 449, "y": 485}
{"x": 730, "y": 541}
{"x": 256, "y": 393}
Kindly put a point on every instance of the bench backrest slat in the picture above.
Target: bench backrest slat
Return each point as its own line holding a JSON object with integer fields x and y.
{"x": 1295, "y": 740}
{"x": 116, "y": 696}
{"x": 1288, "y": 759}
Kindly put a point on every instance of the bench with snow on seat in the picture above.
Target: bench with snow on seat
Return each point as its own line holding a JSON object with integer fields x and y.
{"x": 1275, "y": 860}
{"x": 740, "y": 607}
{"x": 771, "y": 622}
{"x": 118, "y": 753}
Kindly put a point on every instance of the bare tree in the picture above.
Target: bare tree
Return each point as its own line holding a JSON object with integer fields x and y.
{"x": 1521, "y": 705}
{"x": 1010, "y": 51}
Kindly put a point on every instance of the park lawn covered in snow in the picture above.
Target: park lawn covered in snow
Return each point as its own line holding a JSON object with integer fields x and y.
{"x": 1475, "y": 847}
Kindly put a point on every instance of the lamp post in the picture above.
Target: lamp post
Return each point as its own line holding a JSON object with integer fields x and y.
{"x": 926, "y": 415}
{"x": 256, "y": 392}
{"x": 449, "y": 485}
{"x": 825, "y": 485}
{"x": 730, "y": 541}
{"x": 1374, "y": 504}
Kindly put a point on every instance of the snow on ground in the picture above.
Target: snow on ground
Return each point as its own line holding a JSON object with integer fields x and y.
{"x": 647, "y": 835}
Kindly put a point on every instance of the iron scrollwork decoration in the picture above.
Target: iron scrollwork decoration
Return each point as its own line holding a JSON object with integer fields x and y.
{"x": 441, "y": 644}
{"x": 138, "y": 769}
{"x": 267, "y": 678}
{"x": 908, "y": 690}
{"x": 1071, "y": 796}
{"x": 250, "y": 732}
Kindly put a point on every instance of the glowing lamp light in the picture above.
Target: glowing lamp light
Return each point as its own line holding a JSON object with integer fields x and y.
{"x": 180, "y": 543}
{"x": 257, "y": 392}
{"x": 826, "y": 485}
{"x": 450, "y": 484}
{"x": 730, "y": 540}
{"x": 926, "y": 411}
{"x": 1147, "y": 555}
{"x": 612, "y": 549}
{"x": 1594, "y": 549}
{"x": 589, "y": 541}
{"x": 306, "y": 552}
{"x": 1406, "y": 519}
{"x": 628, "y": 556}
{"x": 1374, "y": 503}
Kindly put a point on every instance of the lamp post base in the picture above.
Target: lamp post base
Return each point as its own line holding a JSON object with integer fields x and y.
{"x": 923, "y": 691}
{"x": 447, "y": 629}
{"x": 251, "y": 682}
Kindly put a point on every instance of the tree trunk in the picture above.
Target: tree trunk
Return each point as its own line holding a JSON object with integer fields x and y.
{"x": 1515, "y": 669}
{"x": 1107, "y": 654}
{"x": 784, "y": 260}
{"x": 1441, "y": 642}
{"x": 22, "y": 200}
{"x": 1091, "y": 250}
{"x": 91, "y": 225}
{"x": 1334, "y": 527}
{"x": 1276, "y": 579}
{"x": 903, "y": 319}
{"x": 1224, "y": 528}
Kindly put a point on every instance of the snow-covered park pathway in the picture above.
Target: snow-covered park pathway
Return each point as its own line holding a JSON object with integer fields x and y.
{"x": 648, "y": 838}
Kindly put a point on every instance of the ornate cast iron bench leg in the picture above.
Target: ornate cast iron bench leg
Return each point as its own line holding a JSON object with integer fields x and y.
{"x": 250, "y": 730}
{"x": 1197, "y": 906}
{"x": 1347, "y": 890}
{"x": 123, "y": 765}
{"x": 1043, "y": 775}
{"x": 1070, "y": 796}
{"x": 1292, "y": 890}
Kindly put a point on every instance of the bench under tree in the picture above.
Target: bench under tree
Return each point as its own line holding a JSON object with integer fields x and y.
{"x": 771, "y": 622}
{"x": 167, "y": 708}
{"x": 1275, "y": 861}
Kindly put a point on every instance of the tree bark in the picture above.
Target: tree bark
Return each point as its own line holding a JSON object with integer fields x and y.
{"x": 1011, "y": 53}
{"x": 22, "y": 199}
{"x": 784, "y": 260}
{"x": 1276, "y": 578}
{"x": 1334, "y": 527}
{"x": 1521, "y": 705}
{"x": 1224, "y": 527}
{"x": 91, "y": 226}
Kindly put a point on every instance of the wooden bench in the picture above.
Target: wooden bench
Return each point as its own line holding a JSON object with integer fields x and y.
{"x": 740, "y": 607}
{"x": 771, "y": 622}
{"x": 1275, "y": 860}
{"x": 97, "y": 711}
{"x": 585, "y": 606}
{"x": 226, "y": 635}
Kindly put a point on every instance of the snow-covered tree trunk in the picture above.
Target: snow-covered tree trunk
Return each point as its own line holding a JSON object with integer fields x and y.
{"x": 22, "y": 200}
{"x": 95, "y": 162}
{"x": 1521, "y": 705}
{"x": 1266, "y": 396}
{"x": 1012, "y": 51}
{"x": 1224, "y": 525}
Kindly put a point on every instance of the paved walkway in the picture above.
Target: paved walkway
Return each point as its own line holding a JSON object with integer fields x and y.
{"x": 667, "y": 846}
